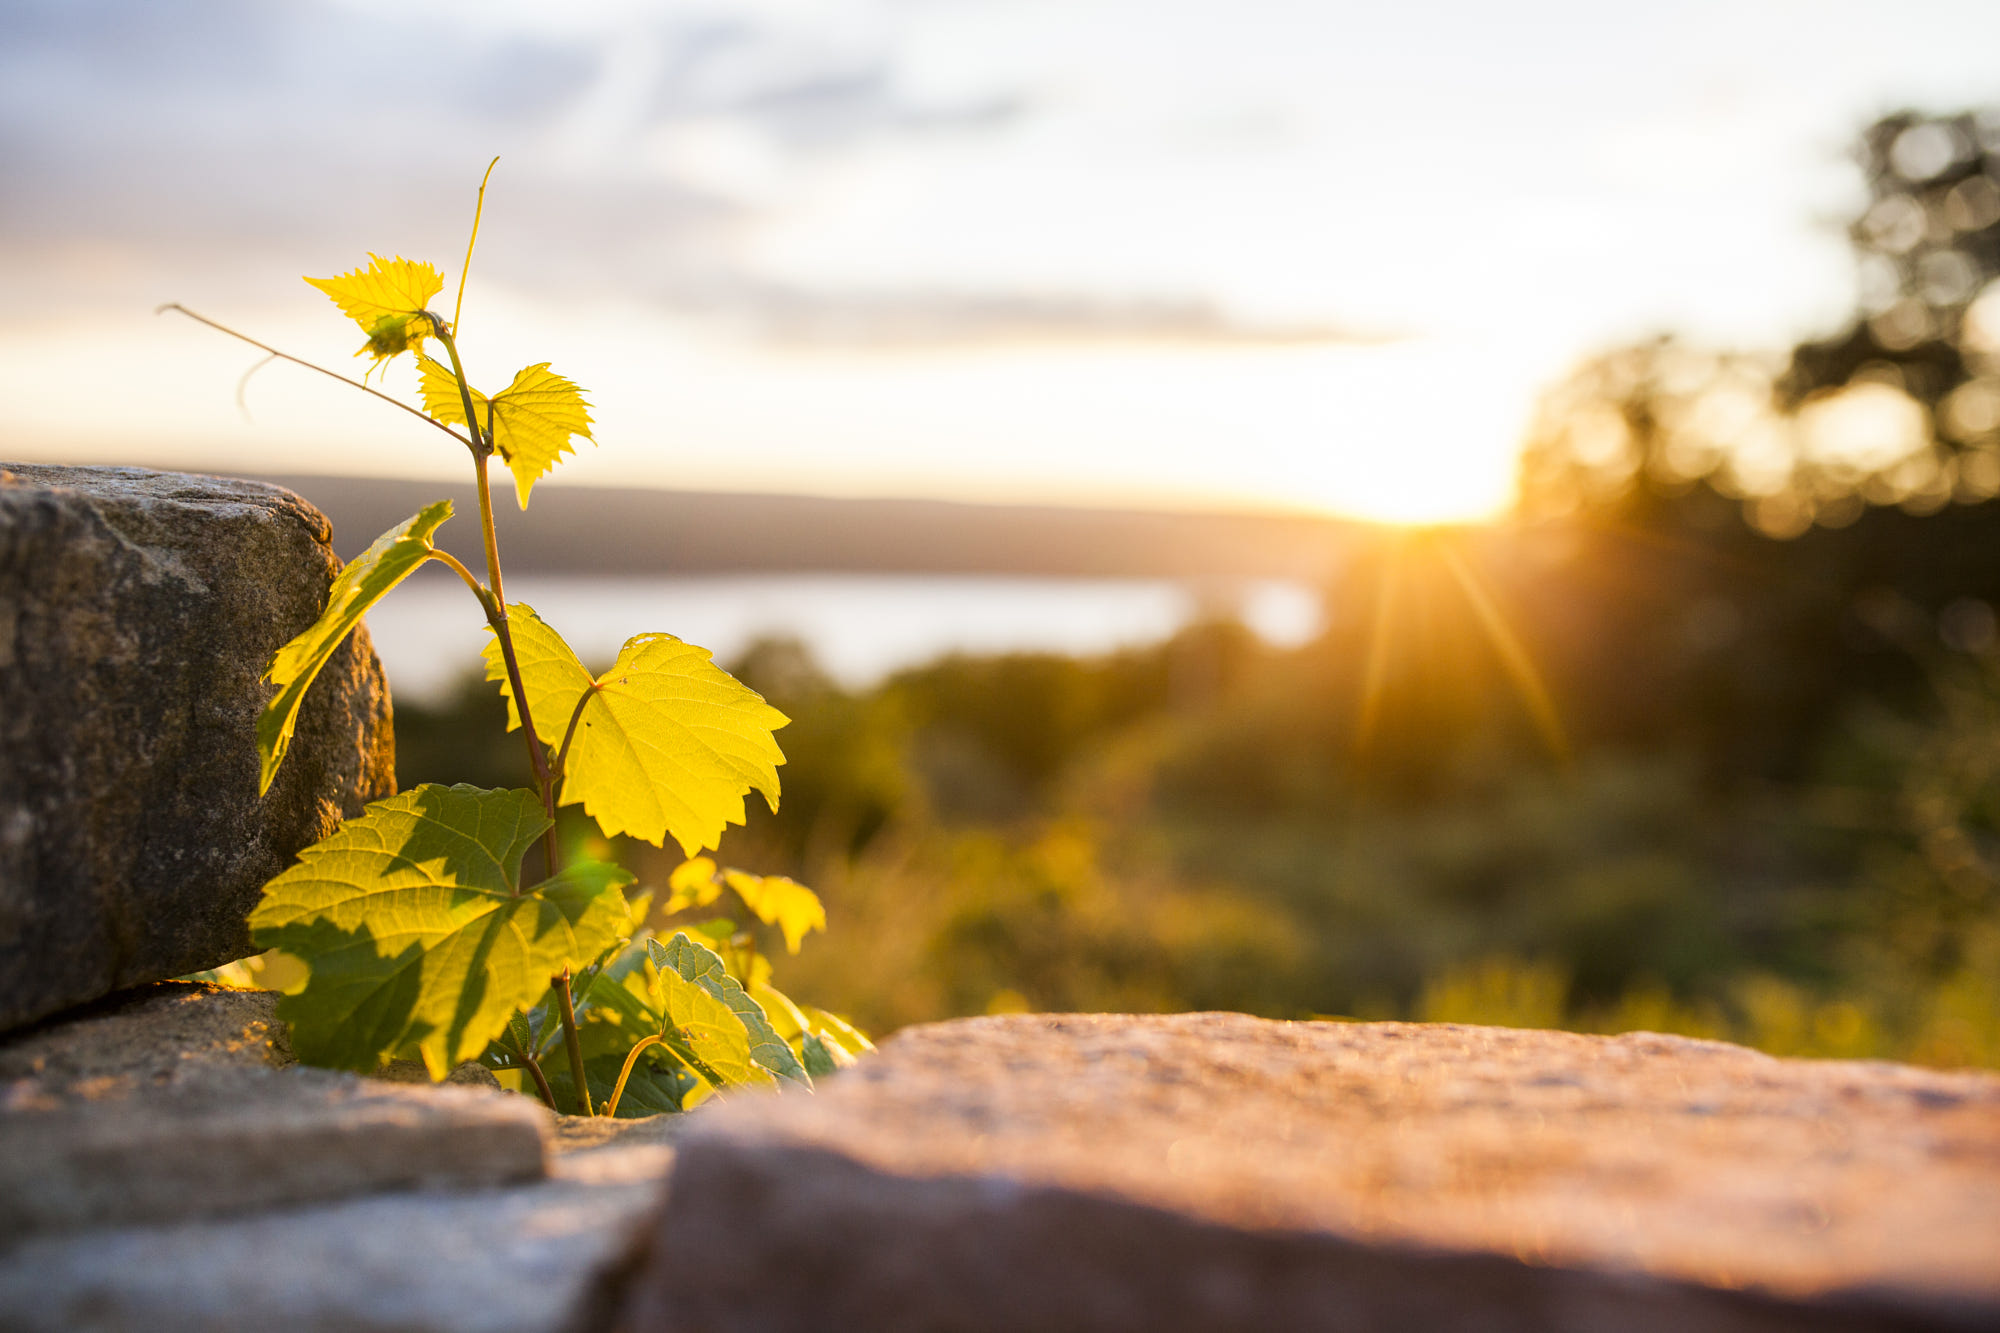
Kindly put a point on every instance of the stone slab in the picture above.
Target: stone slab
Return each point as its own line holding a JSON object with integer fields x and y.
{"x": 539, "y": 1258}
{"x": 138, "y": 610}
{"x": 1217, "y": 1172}
{"x": 114, "y": 1152}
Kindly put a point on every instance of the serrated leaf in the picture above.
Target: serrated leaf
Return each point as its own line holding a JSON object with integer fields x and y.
{"x": 668, "y": 743}
{"x": 409, "y": 918}
{"x": 701, "y": 966}
{"x": 785, "y": 903}
{"x": 533, "y": 419}
{"x": 390, "y": 300}
{"x": 364, "y": 581}
{"x": 693, "y": 884}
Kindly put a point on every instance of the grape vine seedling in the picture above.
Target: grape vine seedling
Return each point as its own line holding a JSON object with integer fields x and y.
{"x": 423, "y": 933}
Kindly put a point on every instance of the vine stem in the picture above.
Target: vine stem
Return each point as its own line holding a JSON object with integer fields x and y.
{"x": 611, "y": 1107}
{"x": 496, "y": 613}
{"x": 541, "y": 1081}
{"x": 503, "y": 634}
{"x": 575, "y": 1046}
{"x": 478, "y": 589}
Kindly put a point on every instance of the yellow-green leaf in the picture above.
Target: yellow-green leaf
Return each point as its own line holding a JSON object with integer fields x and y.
{"x": 710, "y": 1030}
{"x": 693, "y": 884}
{"x": 367, "y": 578}
{"x": 667, "y": 743}
{"x": 701, "y": 966}
{"x": 787, "y": 1018}
{"x": 784, "y": 903}
{"x": 837, "y": 1030}
{"x": 390, "y": 300}
{"x": 533, "y": 419}
{"x": 416, "y": 934}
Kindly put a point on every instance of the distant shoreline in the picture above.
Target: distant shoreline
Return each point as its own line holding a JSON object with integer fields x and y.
{"x": 602, "y": 530}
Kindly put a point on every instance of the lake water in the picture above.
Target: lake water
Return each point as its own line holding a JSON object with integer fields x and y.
{"x": 861, "y": 627}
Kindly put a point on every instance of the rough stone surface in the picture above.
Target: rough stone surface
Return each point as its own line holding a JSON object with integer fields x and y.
{"x": 540, "y": 1258}
{"x": 165, "y": 1165}
{"x": 1217, "y": 1172}
{"x": 249, "y": 1139}
{"x": 180, "y": 1100}
{"x": 137, "y": 611}
{"x": 168, "y": 1032}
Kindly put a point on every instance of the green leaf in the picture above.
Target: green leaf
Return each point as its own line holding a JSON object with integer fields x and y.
{"x": 709, "y": 1029}
{"x": 533, "y": 419}
{"x": 819, "y": 1060}
{"x": 667, "y": 743}
{"x": 785, "y": 903}
{"x": 415, "y": 933}
{"x": 701, "y": 966}
{"x": 367, "y": 578}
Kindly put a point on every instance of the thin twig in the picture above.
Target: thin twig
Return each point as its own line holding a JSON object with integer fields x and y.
{"x": 244, "y": 383}
{"x": 300, "y": 361}
{"x": 466, "y": 268}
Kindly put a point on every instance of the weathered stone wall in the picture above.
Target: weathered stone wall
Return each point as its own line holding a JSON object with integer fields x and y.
{"x": 138, "y": 610}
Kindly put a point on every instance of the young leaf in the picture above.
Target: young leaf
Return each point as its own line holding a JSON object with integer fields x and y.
{"x": 366, "y": 580}
{"x": 786, "y": 903}
{"x": 534, "y": 418}
{"x": 693, "y": 884}
{"x": 667, "y": 744}
{"x": 411, "y": 921}
{"x": 700, "y": 966}
{"x": 711, "y": 1031}
{"x": 390, "y": 300}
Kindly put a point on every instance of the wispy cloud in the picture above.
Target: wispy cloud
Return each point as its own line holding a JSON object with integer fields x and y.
{"x": 178, "y": 147}
{"x": 899, "y": 320}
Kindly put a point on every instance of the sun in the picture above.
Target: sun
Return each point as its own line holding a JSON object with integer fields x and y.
{"x": 1422, "y": 433}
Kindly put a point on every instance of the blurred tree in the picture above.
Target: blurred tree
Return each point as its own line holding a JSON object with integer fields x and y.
{"x": 1864, "y": 464}
{"x": 1929, "y": 247}
{"x": 1901, "y": 407}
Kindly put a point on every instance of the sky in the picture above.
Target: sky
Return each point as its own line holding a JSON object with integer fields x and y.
{"x": 1268, "y": 253}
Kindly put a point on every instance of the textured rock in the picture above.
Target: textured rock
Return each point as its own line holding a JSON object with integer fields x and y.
{"x": 538, "y": 1258}
{"x": 168, "y": 1032}
{"x": 249, "y": 1139}
{"x": 165, "y": 1165}
{"x": 1216, "y": 1172}
{"x": 137, "y": 611}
